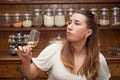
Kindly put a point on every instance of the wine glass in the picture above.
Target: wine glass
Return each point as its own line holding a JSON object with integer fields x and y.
{"x": 33, "y": 38}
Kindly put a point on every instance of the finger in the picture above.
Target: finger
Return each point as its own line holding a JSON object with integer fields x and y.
{"x": 20, "y": 48}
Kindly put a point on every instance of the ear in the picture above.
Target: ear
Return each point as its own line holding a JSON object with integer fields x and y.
{"x": 88, "y": 33}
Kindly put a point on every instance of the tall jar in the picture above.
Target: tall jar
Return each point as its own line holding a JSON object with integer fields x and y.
{"x": 6, "y": 20}
{"x": 59, "y": 17}
{"x": 48, "y": 18}
{"x": 37, "y": 18}
{"x": 95, "y": 13}
{"x": 115, "y": 17}
{"x": 17, "y": 21}
{"x": 27, "y": 21}
{"x": 69, "y": 13}
{"x": 104, "y": 18}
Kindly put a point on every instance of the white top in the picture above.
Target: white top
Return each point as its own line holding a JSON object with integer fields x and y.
{"x": 49, "y": 60}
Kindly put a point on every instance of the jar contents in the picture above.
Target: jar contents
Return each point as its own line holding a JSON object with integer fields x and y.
{"x": 48, "y": 18}
{"x": 37, "y": 18}
{"x": 115, "y": 17}
{"x": 104, "y": 17}
{"x": 27, "y": 22}
{"x": 17, "y": 23}
{"x": 59, "y": 18}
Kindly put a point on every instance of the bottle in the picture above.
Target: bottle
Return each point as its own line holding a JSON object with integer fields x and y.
{"x": 115, "y": 17}
{"x": 104, "y": 18}
{"x": 48, "y": 18}
{"x": 27, "y": 21}
{"x": 17, "y": 22}
{"x": 59, "y": 17}
{"x": 37, "y": 18}
{"x": 95, "y": 13}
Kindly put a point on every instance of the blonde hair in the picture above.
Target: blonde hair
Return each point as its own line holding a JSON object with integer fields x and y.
{"x": 91, "y": 63}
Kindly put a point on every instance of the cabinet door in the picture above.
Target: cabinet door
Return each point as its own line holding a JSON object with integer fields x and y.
{"x": 9, "y": 70}
{"x": 115, "y": 69}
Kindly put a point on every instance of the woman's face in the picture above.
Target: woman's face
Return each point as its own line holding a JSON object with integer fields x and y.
{"x": 77, "y": 28}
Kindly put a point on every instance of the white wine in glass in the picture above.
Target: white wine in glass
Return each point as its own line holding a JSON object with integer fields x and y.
{"x": 33, "y": 38}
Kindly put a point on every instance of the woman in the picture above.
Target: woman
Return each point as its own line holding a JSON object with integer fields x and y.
{"x": 76, "y": 58}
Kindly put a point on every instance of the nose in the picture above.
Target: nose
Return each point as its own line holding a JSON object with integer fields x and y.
{"x": 70, "y": 26}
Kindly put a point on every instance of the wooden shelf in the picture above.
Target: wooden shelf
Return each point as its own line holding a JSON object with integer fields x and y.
{"x": 56, "y": 1}
{"x": 28, "y": 29}
{"x": 109, "y": 27}
{"x": 56, "y": 28}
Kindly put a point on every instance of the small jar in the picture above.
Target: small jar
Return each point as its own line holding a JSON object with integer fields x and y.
{"x": 104, "y": 18}
{"x": 37, "y": 18}
{"x": 27, "y": 21}
{"x": 6, "y": 20}
{"x": 95, "y": 13}
{"x": 17, "y": 22}
{"x": 115, "y": 17}
{"x": 48, "y": 18}
{"x": 59, "y": 17}
{"x": 69, "y": 13}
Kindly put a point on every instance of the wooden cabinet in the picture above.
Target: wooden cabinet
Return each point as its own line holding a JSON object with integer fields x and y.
{"x": 108, "y": 35}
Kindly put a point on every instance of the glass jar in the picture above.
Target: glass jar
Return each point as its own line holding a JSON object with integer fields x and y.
{"x": 115, "y": 17}
{"x": 17, "y": 22}
{"x": 37, "y": 18}
{"x": 104, "y": 18}
{"x": 69, "y": 13}
{"x": 48, "y": 18}
{"x": 27, "y": 21}
{"x": 95, "y": 13}
{"x": 6, "y": 20}
{"x": 59, "y": 17}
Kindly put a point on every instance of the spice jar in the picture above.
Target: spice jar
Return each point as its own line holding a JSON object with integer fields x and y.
{"x": 37, "y": 18}
{"x": 27, "y": 21}
{"x": 95, "y": 13}
{"x": 6, "y": 20}
{"x": 59, "y": 17}
{"x": 17, "y": 22}
{"x": 48, "y": 18}
{"x": 104, "y": 18}
{"x": 69, "y": 13}
{"x": 115, "y": 17}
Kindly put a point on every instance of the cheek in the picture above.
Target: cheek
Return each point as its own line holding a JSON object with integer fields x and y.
{"x": 80, "y": 33}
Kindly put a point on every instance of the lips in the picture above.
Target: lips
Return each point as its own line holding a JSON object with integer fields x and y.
{"x": 68, "y": 33}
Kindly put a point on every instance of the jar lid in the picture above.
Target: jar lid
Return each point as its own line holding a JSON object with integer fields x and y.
{"x": 17, "y": 14}
{"x": 48, "y": 10}
{"x": 93, "y": 9}
{"x": 104, "y": 9}
{"x": 115, "y": 8}
{"x": 6, "y": 14}
{"x": 59, "y": 9}
{"x": 82, "y": 9}
{"x": 70, "y": 9}
{"x": 37, "y": 10}
{"x": 26, "y": 14}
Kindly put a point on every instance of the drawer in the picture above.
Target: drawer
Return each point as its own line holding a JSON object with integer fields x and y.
{"x": 114, "y": 69}
{"x": 9, "y": 70}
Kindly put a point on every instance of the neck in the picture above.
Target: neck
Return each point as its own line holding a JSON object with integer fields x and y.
{"x": 79, "y": 47}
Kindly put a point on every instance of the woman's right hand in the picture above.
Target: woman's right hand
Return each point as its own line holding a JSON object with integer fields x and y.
{"x": 24, "y": 53}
